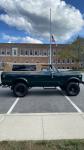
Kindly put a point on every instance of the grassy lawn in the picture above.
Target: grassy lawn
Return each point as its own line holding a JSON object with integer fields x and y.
{"x": 43, "y": 145}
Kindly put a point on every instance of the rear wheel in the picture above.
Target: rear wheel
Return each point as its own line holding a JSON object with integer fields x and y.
{"x": 20, "y": 89}
{"x": 73, "y": 89}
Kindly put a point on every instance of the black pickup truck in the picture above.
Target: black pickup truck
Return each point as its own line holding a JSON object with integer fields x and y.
{"x": 21, "y": 81}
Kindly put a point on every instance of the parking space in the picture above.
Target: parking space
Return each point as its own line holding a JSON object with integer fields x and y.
{"x": 79, "y": 100}
{"x": 6, "y": 99}
{"x": 40, "y": 100}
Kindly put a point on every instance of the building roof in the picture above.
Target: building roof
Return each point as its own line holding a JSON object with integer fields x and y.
{"x": 31, "y": 45}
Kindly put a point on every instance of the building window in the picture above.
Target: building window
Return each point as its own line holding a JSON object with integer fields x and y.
{"x": 40, "y": 52}
{"x": 36, "y": 53}
{"x": 8, "y": 52}
{"x": 63, "y": 61}
{"x": 26, "y": 52}
{"x": 72, "y": 61}
{"x": 53, "y": 61}
{"x": 45, "y": 52}
{"x": 59, "y": 61}
{"x": 54, "y": 52}
{"x": 3, "y": 52}
{"x": 31, "y": 52}
{"x": 14, "y": 51}
{"x": 21, "y": 52}
{"x": 68, "y": 61}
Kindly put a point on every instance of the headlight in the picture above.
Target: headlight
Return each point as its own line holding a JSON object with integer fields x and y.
{"x": 80, "y": 76}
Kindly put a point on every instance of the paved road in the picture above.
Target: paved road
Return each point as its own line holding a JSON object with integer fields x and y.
{"x": 41, "y": 100}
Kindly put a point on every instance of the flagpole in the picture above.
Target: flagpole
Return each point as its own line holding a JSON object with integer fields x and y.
{"x": 50, "y": 60}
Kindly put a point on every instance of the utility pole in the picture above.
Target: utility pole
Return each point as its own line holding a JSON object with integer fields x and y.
{"x": 50, "y": 59}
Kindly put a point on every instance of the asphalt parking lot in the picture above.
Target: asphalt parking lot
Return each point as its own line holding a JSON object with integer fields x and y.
{"x": 41, "y": 100}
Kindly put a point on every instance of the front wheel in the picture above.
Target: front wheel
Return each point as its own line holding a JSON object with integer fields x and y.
{"x": 72, "y": 89}
{"x": 20, "y": 89}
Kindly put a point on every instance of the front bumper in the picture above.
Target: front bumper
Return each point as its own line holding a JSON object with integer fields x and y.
{"x": 0, "y": 84}
{"x": 82, "y": 82}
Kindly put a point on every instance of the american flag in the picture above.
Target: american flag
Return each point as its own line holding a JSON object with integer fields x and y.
{"x": 53, "y": 40}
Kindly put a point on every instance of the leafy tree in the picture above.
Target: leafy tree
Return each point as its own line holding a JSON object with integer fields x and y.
{"x": 73, "y": 51}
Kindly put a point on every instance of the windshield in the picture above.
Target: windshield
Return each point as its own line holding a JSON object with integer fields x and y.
{"x": 50, "y": 68}
{"x": 55, "y": 69}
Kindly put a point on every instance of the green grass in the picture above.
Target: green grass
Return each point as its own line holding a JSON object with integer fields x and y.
{"x": 43, "y": 145}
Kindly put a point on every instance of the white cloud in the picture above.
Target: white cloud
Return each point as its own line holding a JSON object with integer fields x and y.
{"x": 26, "y": 39}
{"x": 33, "y": 17}
{"x": 16, "y": 21}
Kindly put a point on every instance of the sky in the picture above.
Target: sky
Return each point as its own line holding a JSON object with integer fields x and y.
{"x": 28, "y": 21}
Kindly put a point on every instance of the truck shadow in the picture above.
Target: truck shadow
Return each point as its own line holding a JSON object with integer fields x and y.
{"x": 44, "y": 92}
{"x": 6, "y": 93}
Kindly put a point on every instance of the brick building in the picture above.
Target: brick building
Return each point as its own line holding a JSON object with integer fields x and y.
{"x": 34, "y": 53}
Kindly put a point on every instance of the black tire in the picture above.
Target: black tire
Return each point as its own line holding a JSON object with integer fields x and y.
{"x": 20, "y": 89}
{"x": 73, "y": 89}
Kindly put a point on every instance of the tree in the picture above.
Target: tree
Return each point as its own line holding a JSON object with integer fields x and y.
{"x": 74, "y": 51}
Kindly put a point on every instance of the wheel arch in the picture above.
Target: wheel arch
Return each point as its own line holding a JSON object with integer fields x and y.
{"x": 73, "y": 79}
{"x": 22, "y": 80}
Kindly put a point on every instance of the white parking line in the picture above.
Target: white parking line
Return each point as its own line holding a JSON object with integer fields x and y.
{"x": 74, "y": 105}
{"x": 12, "y": 107}
{"x": 70, "y": 101}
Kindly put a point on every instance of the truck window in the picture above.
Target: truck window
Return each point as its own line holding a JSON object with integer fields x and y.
{"x": 24, "y": 68}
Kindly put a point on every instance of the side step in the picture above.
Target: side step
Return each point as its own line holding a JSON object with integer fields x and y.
{"x": 49, "y": 87}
